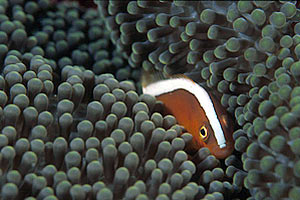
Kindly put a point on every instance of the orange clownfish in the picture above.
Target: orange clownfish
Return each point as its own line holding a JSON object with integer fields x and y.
{"x": 198, "y": 111}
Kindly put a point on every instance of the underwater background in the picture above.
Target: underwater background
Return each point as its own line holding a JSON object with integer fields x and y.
{"x": 74, "y": 124}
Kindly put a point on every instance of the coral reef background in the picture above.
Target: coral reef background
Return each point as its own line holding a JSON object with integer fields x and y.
{"x": 75, "y": 126}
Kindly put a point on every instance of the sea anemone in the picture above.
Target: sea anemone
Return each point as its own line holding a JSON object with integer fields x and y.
{"x": 247, "y": 51}
{"x": 67, "y": 132}
{"x": 87, "y": 136}
{"x": 75, "y": 126}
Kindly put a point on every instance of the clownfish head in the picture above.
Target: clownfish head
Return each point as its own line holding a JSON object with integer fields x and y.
{"x": 198, "y": 111}
{"x": 217, "y": 134}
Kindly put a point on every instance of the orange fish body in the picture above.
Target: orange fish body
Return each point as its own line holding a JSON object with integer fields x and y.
{"x": 198, "y": 111}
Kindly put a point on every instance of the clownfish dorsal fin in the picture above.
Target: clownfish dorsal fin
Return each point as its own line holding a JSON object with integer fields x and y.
{"x": 180, "y": 76}
{"x": 151, "y": 76}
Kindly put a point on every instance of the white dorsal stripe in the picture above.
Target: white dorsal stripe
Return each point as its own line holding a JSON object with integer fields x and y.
{"x": 169, "y": 85}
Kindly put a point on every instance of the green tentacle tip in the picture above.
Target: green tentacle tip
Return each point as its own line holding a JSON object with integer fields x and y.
{"x": 297, "y": 169}
{"x": 232, "y": 13}
{"x": 205, "y": 73}
{"x": 132, "y": 8}
{"x": 242, "y": 99}
{"x": 296, "y": 39}
{"x": 284, "y": 92}
{"x": 105, "y": 193}
{"x": 277, "y": 190}
{"x": 281, "y": 170}
{"x": 245, "y": 6}
{"x": 275, "y": 99}
{"x": 278, "y": 143}
{"x": 162, "y": 19}
{"x": 272, "y": 122}
{"x": 267, "y": 44}
{"x": 259, "y": 125}
{"x": 281, "y": 110}
{"x": 191, "y": 28}
{"x": 258, "y": 16}
{"x": 213, "y": 32}
{"x": 195, "y": 45}
{"x": 286, "y": 41}
{"x": 289, "y": 9}
{"x": 279, "y": 71}
{"x": 263, "y": 92}
{"x": 294, "y": 101}
{"x": 264, "y": 137}
{"x": 253, "y": 176}
{"x": 260, "y": 69}
{"x": 271, "y": 61}
{"x": 273, "y": 87}
{"x": 232, "y": 102}
{"x": 9, "y": 191}
{"x": 152, "y": 35}
{"x": 284, "y": 53}
{"x": 233, "y": 44}
{"x": 287, "y": 62}
{"x": 241, "y": 144}
{"x": 251, "y": 54}
{"x": 296, "y": 110}
{"x": 297, "y": 51}
{"x": 265, "y": 108}
{"x": 288, "y": 120}
{"x": 297, "y": 29}
{"x": 294, "y": 193}
{"x": 230, "y": 74}
{"x": 208, "y": 56}
{"x": 240, "y": 25}
{"x": 225, "y": 97}
{"x": 295, "y": 92}
{"x": 223, "y": 86}
{"x": 278, "y": 19}
{"x": 295, "y": 147}
{"x": 269, "y": 30}
{"x": 175, "y": 21}
{"x": 208, "y": 16}
{"x": 220, "y": 52}
{"x": 267, "y": 163}
{"x": 253, "y": 150}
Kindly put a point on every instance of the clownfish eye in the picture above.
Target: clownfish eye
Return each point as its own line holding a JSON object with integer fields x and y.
{"x": 203, "y": 133}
